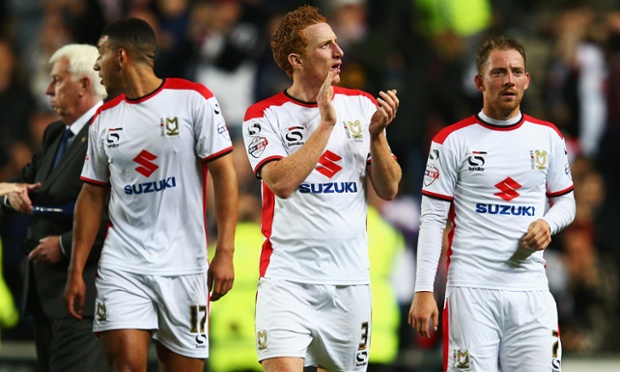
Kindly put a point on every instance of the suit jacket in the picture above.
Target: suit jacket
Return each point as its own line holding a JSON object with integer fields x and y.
{"x": 59, "y": 186}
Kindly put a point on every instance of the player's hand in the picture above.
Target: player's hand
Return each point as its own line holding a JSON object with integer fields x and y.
{"x": 538, "y": 236}
{"x": 19, "y": 200}
{"x": 324, "y": 100}
{"x": 221, "y": 274}
{"x": 423, "y": 313}
{"x": 47, "y": 252}
{"x": 386, "y": 111}
{"x": 75, "y": 292}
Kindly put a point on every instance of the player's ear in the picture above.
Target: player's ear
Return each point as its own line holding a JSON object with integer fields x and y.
{"x": 527, "y": 81}
{"x": 123, "y": 57}
{"x": 479, "y": 83}
{"x": 295, "y": 60}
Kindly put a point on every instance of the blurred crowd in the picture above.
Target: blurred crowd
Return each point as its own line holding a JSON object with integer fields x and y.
{"x": 423, "y": 48}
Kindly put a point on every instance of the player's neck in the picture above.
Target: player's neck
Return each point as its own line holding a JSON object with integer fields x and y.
{"x": 303, "y": 92}
{"x": 141, "y": 83}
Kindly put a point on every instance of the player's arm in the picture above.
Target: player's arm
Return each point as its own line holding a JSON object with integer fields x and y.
{"x": 424, "y": 309}
{"x": 384, "y": 171}
{"x": 561, "y": 200}
{"x": 89, "y": 208}
{"x": 285, "y": 175}
{"x": 221, "y": 271}
{"x": 560, "y": 214}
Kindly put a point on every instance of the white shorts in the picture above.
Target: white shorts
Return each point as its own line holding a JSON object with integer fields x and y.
{"x": 500, "y": 330}
{"x": 174, "y": 308}
{"x": 327, "y": 325}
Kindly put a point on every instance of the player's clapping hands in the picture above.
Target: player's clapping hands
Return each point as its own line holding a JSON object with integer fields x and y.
{"x": 386, "y": 111}
{"x": 324, "y": 100}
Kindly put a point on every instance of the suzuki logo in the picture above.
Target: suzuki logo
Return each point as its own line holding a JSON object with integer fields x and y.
{"x": 508, "y": 188}
{"x": 327, "y": 164}
{"x": 145, "y": 158}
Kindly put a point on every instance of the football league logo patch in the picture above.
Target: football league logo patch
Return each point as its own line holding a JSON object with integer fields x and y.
{"x": 257, "y": 146}
{"x": 222, "y": 130}
{"x": 430, "y": 174}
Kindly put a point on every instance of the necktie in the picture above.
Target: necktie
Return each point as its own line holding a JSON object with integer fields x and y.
{"x": 64, "y": 143}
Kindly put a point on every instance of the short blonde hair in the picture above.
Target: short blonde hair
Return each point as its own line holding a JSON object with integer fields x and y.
{"x": 499, "y": 43}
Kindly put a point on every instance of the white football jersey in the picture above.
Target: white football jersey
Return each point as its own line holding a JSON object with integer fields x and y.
{"x": 317, "y": 234}
{"x": 498, "y": 179}
{"x": 153, "y": 152}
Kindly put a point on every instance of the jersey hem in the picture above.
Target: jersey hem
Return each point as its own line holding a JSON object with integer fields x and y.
{"x": 365, "y": 281}
{"x": 516, "y": 288}
{"x": 95, "y": 182}
{"x": 218, "y": 154}
{"x": 116, "y": 326}
{"x": 200, "y": 353}
{"x": 166, "y": 272}
{"x": 283, "y": 354}
{"x": 437, "y": 196}
{"x": 562, "y": 192}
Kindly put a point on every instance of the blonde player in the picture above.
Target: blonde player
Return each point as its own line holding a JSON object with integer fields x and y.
{"x": 492, "y": 175}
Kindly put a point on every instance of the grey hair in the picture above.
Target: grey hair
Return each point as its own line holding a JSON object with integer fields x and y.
{"x": 82, "y": 58}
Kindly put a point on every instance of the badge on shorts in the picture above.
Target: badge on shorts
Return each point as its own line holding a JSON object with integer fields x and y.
{"x": 461, "y": 360}
{"x": 262, "y": 339}
{"x": 102, "y": 314}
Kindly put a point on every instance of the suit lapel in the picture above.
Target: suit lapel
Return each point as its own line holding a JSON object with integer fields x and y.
{"x": 79, "y": 144}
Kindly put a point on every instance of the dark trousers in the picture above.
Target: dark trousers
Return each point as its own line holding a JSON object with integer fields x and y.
{"x": 66, "y": 345}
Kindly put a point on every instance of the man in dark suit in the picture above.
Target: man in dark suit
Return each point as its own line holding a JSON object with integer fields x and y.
{"x": 75, "y": 94}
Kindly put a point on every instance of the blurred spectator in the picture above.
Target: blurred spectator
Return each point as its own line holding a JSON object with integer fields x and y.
{"x": 16, "y": 106}
{"x": 608, "y": 151}
{"x": 408, "y": 69}
{"x": 432, "y": 44}
{"x": 174, "y": 50}
{"x": 24, "y": 21}
{"x": 52, "y": 34}
{"x": 364, "y": 58}
{"x": 591, "y": 323}
{"x": 4, "y": 18}
{"x": 576, "y": 81}
{"x": 229, "y": 38}
{"x": 84, "y": 18}
{"x": 418, "y": 46}
{"x": 270, "y": 79}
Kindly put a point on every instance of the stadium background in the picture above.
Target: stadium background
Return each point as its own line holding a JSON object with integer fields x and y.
{"x": 423, "y": 48}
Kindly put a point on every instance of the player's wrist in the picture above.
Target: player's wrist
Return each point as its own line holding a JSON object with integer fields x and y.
{"x": 377, "y": 136}
{"x": 327, "y": 125}
{"x": 74, "y": 270}
{"x": 224, "y": 250}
